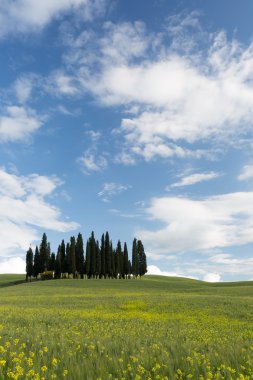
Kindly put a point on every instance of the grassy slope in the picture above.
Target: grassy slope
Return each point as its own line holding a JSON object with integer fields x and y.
{"x": 146, "y": 319}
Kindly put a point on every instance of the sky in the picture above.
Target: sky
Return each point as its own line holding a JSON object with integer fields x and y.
{"x": 133, "y": 117}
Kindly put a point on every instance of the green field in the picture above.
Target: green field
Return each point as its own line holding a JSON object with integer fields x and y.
{"x": 150, "y": 328}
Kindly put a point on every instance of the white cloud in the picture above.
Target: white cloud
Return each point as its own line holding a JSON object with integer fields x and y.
{"x": 229, "y": 264}
{"x": 24, "y": 208}
{"x": 192, "y": 179}
{"x": 246, "y": 173}
{"x": 153, "y": 269}
{"x": 14, "y": 265}
{"x": 91, "y": 162}
{"x": 124, "y": 41}
{"x": 31, "y": 16}
{"x": 165, "y": 86}
{"x": 192, "y": 225}
{"x": 18, "y": 123}
{"x": 212, "y": 277}
{"x": 110, "y": 189}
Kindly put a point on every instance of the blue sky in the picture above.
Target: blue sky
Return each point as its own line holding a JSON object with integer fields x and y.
{"x": 134, "y": 117}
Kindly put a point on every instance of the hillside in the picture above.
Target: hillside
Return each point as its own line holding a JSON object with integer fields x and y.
{"x": 155, "y": 327}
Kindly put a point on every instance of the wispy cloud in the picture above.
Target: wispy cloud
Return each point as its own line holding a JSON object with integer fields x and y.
{"x": 91, "y": 162}
{"x": 192, "y": 179}
{"x": 111, "y": 189}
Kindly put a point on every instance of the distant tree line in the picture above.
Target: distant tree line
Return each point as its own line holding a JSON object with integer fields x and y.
{"x": 100, "y": 260}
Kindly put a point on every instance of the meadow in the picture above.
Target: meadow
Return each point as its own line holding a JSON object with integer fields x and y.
{"x": 150, "y": 328}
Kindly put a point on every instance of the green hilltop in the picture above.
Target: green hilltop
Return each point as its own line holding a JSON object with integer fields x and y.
{"x": 152, "y": 327}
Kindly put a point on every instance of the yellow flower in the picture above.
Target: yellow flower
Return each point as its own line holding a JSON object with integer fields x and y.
{"x": 43, "y": 368}
{"x": 2, "y": 363}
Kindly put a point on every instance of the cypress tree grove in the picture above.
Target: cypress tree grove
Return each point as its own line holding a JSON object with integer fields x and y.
{"x": 101, "y": 260}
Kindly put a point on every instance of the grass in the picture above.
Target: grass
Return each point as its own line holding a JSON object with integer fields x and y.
{"x": 153, "y": 328}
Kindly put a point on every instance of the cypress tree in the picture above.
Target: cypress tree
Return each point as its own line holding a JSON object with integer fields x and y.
{"x": 93, "y": 255}
{"x": 102, "y": 252}
{"x": 79, "y": 255}
{"x": 29, "y": 264}
{"x": 37, "y": 263}
{"x": 73, "y": 256}
{"x": 87, "y": 259}
{"x": 108, "y": 254}
{"x": 98, "y": 261}
{"x": 142, "y": 261}
{"x": 44, "y": 253}
{"x": 113, "y": 262}
{"x": 57, "y": 273}
{"x": 52, "y": 262}
{"x": 68, "y": 259}
{"x": 125, "y": 262}
{"x": 63, "y": 257}
{"x": 119, "y": 266}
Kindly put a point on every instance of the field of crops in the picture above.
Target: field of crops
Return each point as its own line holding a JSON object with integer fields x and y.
{"x": 153, "y": 328}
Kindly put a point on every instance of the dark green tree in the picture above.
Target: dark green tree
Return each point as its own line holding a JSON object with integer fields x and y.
{"x": 126, "y": 271}
{"x": 87, "y": 260}
{"x": 44, "y": 253}
{"x": 73, "y": 256}
{"x": 102, "y": 251}
{"x": 57, "y": 273}
{"x": 80, "y": 255}
{"x": 51, "y": 265}
{"x": 64, "y": 264}
{"x": 68, "y": 260}
{"x": 29, "y": 264}
{"x": 119, "y": 261}
{"x": 93, "y": 255}
{"x": 37, "y": 263}
{"x": 98, "y": 261}
{"x": 142, "y": 261}
{"x": 108, "y": 256}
